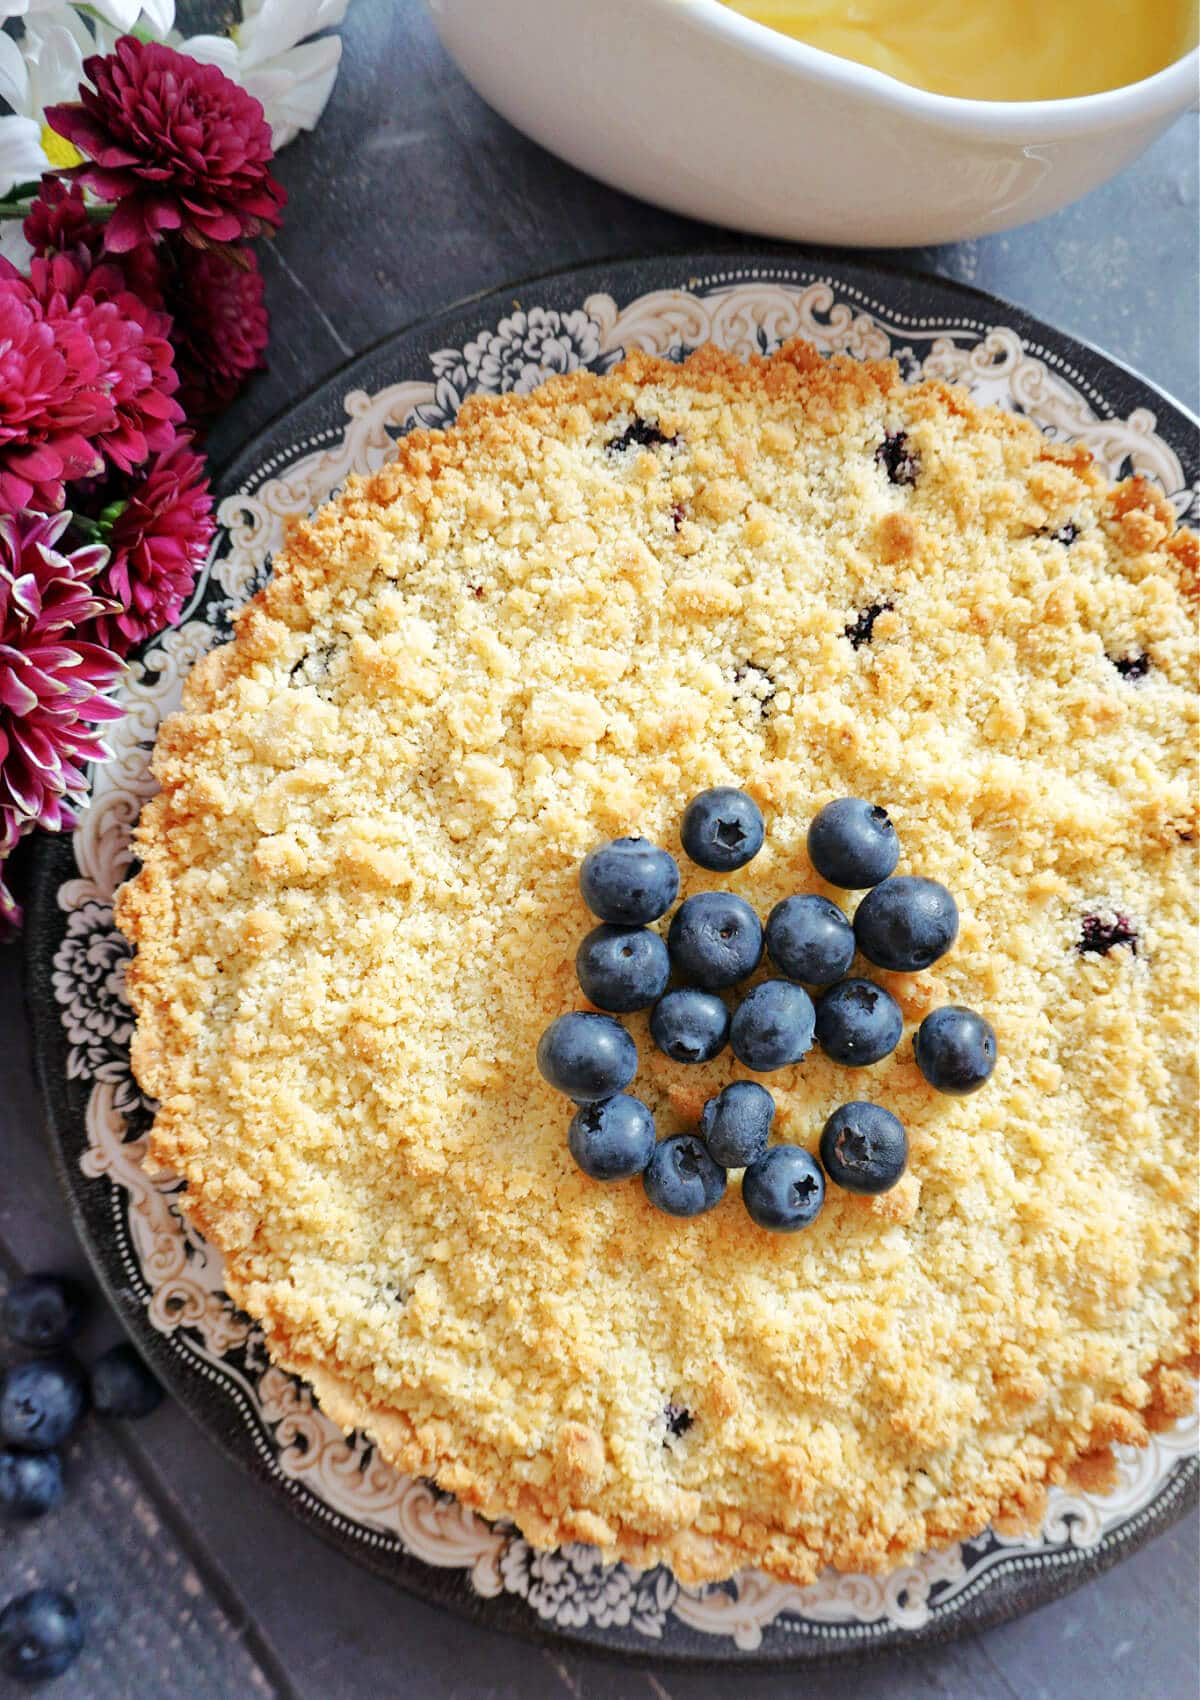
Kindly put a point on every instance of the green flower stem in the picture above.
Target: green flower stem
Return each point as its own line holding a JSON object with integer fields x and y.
{"x": 98, "y": 211}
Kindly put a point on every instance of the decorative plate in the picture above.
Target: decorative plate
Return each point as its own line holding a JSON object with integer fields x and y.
{"x": 166, "y": 1282}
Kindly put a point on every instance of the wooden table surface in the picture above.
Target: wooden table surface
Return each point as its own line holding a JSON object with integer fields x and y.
{"x": 197, "y": 1584}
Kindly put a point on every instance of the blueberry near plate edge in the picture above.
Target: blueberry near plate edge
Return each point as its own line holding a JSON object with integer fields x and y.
{"x": 907, "y": 300}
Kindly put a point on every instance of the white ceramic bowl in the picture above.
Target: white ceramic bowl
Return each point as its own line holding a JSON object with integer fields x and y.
{"x": 690, "y": 105}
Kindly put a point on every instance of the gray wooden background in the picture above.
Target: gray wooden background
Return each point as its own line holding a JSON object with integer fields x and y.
{"x": 197, "y": 1585}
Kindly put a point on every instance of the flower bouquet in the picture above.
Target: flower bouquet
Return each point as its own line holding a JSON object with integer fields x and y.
{"x": 135, "y": 172}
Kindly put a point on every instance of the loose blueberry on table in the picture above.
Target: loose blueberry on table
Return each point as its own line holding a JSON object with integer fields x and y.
{"x": 40, "y": 1635}
{"x": 784, "y": 1189}
{"x": 715, "y": 939}
{"x": 906, "y": 923}
{"x": 31, "y": 1483}
{"x": 41, "y": 1403}
{"x": 955, "y": 1050}
{"x": 612, "y": 1139}
{"x": 122, "y": 1385}
{"x": 682, "y": 1179}
{"x": 864, "y": 1148}
{"x": 43, "y": 1312}
{"x": 722, "y": 829}
{"x": 809, "y": 938}
{"x": 690, "y": 1026}
{"x": 622, "y": 968}
{"x": 858, "y": 1023}
{"x": 736, "y": 1124}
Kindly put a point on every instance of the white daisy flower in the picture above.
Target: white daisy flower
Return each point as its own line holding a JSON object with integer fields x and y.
{"x": 269, "y": 54}
{"x": 21, "y": 156}
{"x": 13, "y": 246}
{"x": 44, "y": 66}
{"x": 156, "y": 17}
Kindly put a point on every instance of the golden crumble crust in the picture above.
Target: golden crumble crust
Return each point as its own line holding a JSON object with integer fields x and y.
{"x": 357, "y": 910}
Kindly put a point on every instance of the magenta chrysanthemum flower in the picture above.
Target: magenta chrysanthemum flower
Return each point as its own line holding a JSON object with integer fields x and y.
{"x": 158, "y": 535}
{"x": 137, "y": 361}
{"x": 219, "y": 326}
{"x": 51, "y": 680}
{"x": 53, "y": 399}
{"x": 58, "y": 223}
{"x": 86, "y": 374}
{"x": 175, "y": 144}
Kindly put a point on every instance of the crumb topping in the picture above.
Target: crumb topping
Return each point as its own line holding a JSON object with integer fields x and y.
{"x": 357, "y": 910}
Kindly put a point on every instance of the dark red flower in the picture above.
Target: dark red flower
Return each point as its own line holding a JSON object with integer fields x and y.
{"x": 58, "y": 223}
{"x": 53, "y": 399}
{"x": 52, "y": 680}
{"x": 136, "y": 360}
{"x": 219, "y": 328}
{"x": 175, "y": 144}
{"x": 158, "y": 530}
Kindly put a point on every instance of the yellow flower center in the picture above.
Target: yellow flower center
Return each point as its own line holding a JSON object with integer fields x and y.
{"x": 58, "y": 150}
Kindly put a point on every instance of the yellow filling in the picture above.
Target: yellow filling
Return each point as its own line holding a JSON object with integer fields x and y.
{"x": 993, "y": 49}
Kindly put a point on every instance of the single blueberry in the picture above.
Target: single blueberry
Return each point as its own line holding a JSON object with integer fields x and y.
{"x": 622, "y": 968}
{"x": 677, "y": 1420}
{"x": 681, "y": 1178}
{"x": 715, "y": 939}
{"x": 858, "y": 1023}
{"x": 123, "y": 1386}
{"x": 955, "y": 1049}
{"x": 772, "y": 1026}
{"x": 41, "y": 1403}
{"x": 862, "y": 628}
{"x": 612, "y": 1138}
{"x": 736, "y": 1124}
{"x": 1105, "y": 932}
{"x": 641, "y": 434}
{"x": 587, "y": 1056}
{"x": 906, "y": 923}
{"x": 901, "y": 463}
{"x": 30, "y": 1483}
{"x": 809, "y": 938}
{"x": 784, "y": 1190}
{"x": 689, "y": 1026}
{"x": 722, "y": 829}
{"x": 864, "y": 1148}
{"x": 40, "y": 1635}
{"x": 852, "y": 843}
{"x": 43, "y": 1312}
{"x": 629, "y": 881}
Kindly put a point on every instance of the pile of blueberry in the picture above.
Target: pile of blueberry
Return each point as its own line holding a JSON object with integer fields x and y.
{"x": 714, "y": 942}
{"x": 42, "y": 1402}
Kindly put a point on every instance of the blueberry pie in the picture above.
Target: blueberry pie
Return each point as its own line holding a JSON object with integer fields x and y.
{"x": 358, "y": 910}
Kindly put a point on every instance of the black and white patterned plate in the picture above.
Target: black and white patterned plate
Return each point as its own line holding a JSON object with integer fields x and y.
{"x": 166, "y": 1281}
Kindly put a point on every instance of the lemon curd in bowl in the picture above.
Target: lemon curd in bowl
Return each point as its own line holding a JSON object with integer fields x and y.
{"x": 993, "y": 49}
